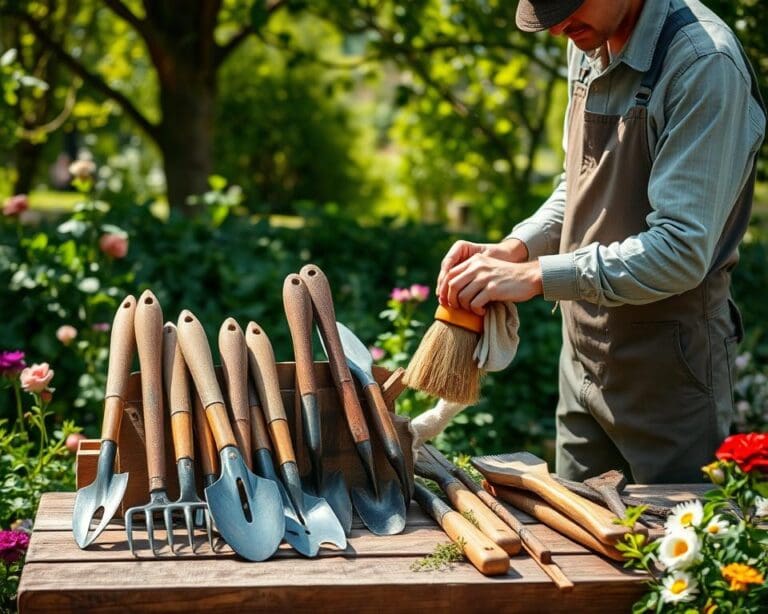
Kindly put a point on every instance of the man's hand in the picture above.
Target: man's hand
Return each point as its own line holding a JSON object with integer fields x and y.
{"x": 511, "y": 250}
{"x": 481, "y": 279}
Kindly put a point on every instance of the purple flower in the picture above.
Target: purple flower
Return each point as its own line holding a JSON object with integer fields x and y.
{"x": 13, "y": 545}
{"x": 101, "y": 327}
{"x": 376, "y": 353}
{"x": 401, "y": 295}
{"x": 11, "y": 363}
{"x": 419, "y": 293}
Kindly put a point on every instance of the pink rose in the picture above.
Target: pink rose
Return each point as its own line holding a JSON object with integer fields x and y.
{"x": 66, "y": 334}
{"x": 376, "y": 353}
{"x": 73, "y": 441}
{"x": 36, "y": 378}
{"x": 401, "y": 295}
{"x": 82, "y": 168}
{"x": 15, "y": 205}
{"x": 419, "y": 293}
{"x": 114, "y": 245}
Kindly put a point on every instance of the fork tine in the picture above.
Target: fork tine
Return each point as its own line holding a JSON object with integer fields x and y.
{"x": 129, "y": 529}
{"x": 209, "y": 528}
{"x": 188, "y": 519}
{"x": 168, "y": 516}
{"x": 150, "y": 522}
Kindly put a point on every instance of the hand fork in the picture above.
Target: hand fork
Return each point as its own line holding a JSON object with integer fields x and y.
{"x": 177, "y": 389}
{"x": 148, "y": 325}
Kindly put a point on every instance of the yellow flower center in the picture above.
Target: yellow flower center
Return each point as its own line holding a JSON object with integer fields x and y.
{"x": 686, "y": 519}
{"x": 678, "y": 586}
{"x": 680, "y": 548}
{"x": 713, "y": 528}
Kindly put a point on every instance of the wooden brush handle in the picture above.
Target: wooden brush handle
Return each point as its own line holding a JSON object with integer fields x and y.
{"x": 234, "y": 365}
{"x": 122, "y": 344}
{"x": 322, "y": 302}
{"x": 148, "y": 324}
{"x": 176, "y": 383}
{"x": 209, "y": 458}
{"x": 298, "y": 312}
{"x": 536, "y": 507}
{"x": 197, "y": 355}
{"x": 261, "y": 359}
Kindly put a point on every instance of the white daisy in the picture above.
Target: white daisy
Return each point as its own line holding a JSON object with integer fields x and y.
{"x": 684, "y": 516}
{"x": 717, "y": 527}
{"x": 761, "y": 507}
{"x": 679, "y": 586}
{"x": 679, "y": 549}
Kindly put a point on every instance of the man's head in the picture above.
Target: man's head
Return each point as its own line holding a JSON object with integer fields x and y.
{"x": 588, "y": 23}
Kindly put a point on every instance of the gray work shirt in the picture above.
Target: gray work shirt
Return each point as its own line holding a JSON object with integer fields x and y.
{"x": 704, "y": 130}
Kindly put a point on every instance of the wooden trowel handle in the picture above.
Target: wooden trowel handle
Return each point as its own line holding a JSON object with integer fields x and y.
{"x": 298, "y": 312}
{"x": 234, "y": 364}
{"x": 176, "y": 382}
{"x": 261, "y": 359}
{"x": 122, "y": 344}
{"x": 149, "y": 342}
{"x": 259, "y": 434}
{"x": 209, "y": 459}
{"x": 322, "y": 302}
{"x": 197, "y": 355}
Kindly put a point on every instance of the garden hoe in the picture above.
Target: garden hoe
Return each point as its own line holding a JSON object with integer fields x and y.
{"x": 330, "y": 486}
{"x": 96, "y": 504}
{"x": 247, "y": 510}
{"x": 312, "y": 512}
{"x": 177, "y": 390}
{"x": 149, "y": 342}
{"x": 382, "y": 510}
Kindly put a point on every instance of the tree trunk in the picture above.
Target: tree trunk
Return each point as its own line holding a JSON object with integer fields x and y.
{"x": 27, "y": 156}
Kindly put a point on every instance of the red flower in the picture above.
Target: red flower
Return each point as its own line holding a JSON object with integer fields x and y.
{"x": 748, "y": 450}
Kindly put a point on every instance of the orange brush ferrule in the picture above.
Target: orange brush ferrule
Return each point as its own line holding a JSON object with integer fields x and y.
{"x": 460, "y": 318}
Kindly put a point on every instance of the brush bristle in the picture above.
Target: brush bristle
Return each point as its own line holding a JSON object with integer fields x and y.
{"x": 443, "y": 364}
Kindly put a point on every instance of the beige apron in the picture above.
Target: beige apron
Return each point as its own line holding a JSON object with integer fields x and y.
{"x": 646, "y": 389}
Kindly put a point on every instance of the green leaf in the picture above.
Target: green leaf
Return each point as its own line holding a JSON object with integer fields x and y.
{"x": 217, "y": 182}
{"x": 259, "y": 15}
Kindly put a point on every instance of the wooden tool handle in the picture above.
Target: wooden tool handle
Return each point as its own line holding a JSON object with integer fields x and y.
{"x": 592, "y": 517}
{"x": 209, "y": 459}
{"x": 486, "y": 556}
{"x": 176, "y": 383}
{"x": 259, "y": 434}
{"x": 234, "y": 364}
{"x": 197, "y": 355}
{"x": 325, "y": 315}
{"x": 261, "y": 359}
{"x": 122, "y": 344}
{"x": 148, "y": 324}
{"x": 298, "y": 312}
{"x": 536, "y": 507}
{"x": 465, "y": 501}
{"x": 380, "y": 413}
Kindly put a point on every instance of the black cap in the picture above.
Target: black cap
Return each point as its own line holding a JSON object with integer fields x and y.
{"x": 538, "y": 15}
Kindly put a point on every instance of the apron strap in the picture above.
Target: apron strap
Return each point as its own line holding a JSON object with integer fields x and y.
{"x": 679, "y": 19}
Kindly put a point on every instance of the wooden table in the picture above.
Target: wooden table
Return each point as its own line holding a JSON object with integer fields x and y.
{"x": 373, "y": 575}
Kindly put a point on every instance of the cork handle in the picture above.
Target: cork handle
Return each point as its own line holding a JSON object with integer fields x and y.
{"x": 176, "y": 382}
{"x": 149, "y": 340}
{"x": 197, "y": 355}
{"x": 122, "y": 344}
{"x": 259, "y": 434}
{"x": 234, "y": 364}
{"x": 298, "y": 312}
{"x": 320, "y": 292}
{"x": 209, "y": 459}
{"x": 261, "y": 359}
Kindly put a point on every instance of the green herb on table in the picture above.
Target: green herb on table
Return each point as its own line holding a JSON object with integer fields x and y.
{"x": 443, "y": 557}
{"x": 470, "y": 515}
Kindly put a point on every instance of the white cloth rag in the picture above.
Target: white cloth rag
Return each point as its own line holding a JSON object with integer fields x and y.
{"x": 495, "y": 350}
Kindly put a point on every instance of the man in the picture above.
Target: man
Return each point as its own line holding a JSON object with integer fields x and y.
{"x": 638, "y": 240}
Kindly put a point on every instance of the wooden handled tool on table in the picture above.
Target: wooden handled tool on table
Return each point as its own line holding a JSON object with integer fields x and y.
{"x": 149, "y": 343}
{"x": 106, "y": 492}
{"x": 382, "y": 510}
{"x": 247, "y": 509}
{"x": 528, "y": 472}
{"x": 538, "y": 508}
{"x": 466, "y": 502}
{"x": 488, "y": 558}
{"x": 177, "y": 388}
{"x": 234, "y": 365}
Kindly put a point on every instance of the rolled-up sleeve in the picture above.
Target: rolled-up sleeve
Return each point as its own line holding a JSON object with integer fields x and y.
{"x": 702, "y": 159}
